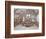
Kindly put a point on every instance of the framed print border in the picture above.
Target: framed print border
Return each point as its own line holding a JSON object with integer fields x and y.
{"x": 8, "y": 20}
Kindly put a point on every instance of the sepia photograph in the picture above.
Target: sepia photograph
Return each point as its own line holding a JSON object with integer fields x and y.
{"x": 26, "y": 19}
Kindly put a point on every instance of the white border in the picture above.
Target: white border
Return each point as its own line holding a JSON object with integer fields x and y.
{"x": 26, "y": 31}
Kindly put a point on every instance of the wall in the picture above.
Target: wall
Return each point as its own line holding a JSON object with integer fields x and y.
{"x": 2, "y": 20}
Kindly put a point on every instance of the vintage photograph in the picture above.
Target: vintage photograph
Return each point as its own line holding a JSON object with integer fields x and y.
{"x": 26, "y": 19}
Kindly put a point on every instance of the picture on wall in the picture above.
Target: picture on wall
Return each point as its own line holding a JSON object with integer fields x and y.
{"x": 24, "y": 19}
